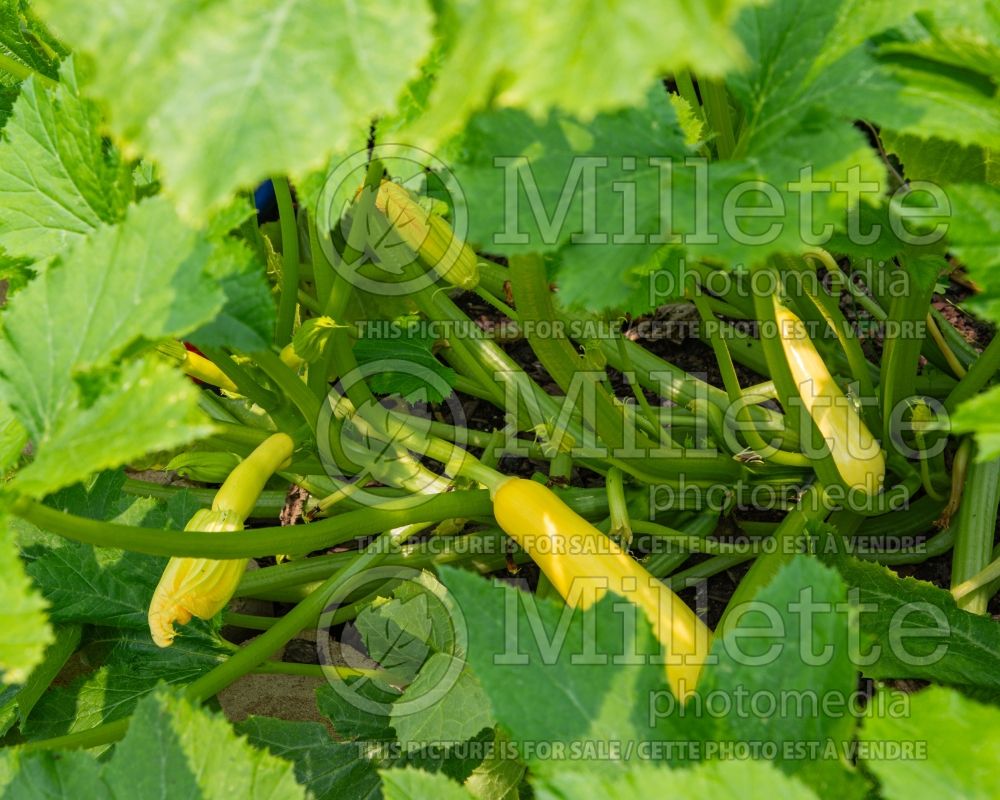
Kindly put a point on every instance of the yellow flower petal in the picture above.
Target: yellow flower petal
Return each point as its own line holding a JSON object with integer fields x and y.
{"x": 195, "y": 587}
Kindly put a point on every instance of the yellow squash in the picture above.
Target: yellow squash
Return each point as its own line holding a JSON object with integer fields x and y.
{"x": 583, "y": 564}
{"x": 856, "y": 454}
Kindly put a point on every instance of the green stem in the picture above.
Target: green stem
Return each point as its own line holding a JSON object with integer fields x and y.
{"x": 275, "y": 637}
{"x": 316, "y": 670}
{"x": 976, "y": 529}
{"x": 257, "y": 542}
{"x": 716, "y": 101}
{"x": 790, "y": 533}
{"x": 685, "y": 88}
{"x": 290, "y": 384}
{"x": 731, "y": 382}
{"x": 980, "y": 581}
{"x": 247, "y": 386}
{"x": 289, "y": 262}
{"x": 621, "y": 527}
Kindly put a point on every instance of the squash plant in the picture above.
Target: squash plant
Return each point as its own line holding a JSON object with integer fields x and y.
{"x": 333, "y": 328}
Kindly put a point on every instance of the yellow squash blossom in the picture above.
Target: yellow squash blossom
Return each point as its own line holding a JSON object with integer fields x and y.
{"x": 201, "y": 587}
{"x": 195, "y": 587}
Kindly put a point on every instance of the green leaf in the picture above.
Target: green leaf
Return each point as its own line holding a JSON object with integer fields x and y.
{"x": 413, "y": 635}
{"x": 979, "y": 416}
{"x": 369, "y": 728}
{"x": 356, "y": 721}
{"x": 563, "y": 185}
{"x": 958, "y": 739}
{"x": 580, "y": 57}
{"x": 246, "y": 321}
{"x": 407, "y": 368}
{"x": 935, "y": 100}
{"x": 415, "y": 784}
{"x": 13, "y": 438}
{"x": 142, "y": 280}
{"x": 131, "y": 667}
{"x": 173, "y": 748}
{"x": 24, "y": 628}
{"x": 947, "y": 67}
{"x": 805, "y": 55}
{"x": 21, "y": 37}
{"x": 17, "y": 702}
{"x": 457, "y": 714}
{"x": 224, "y": 94}
{"x": 792, "y": 642}
{"x": 532, "y": 654}
{"x": 126, "y": 285}
{"x": 148, "y": 407}
{"x": 974, "y": 233}
{"x": 98, "y": 585}
{"x": 913, "y": 629}
{"x": 330, "y": 770}
{"x": 941, "y": 161}
{"x": 59, "y": 181}
{"x": 720, "y": 780}
{"x": 47, "y": 775}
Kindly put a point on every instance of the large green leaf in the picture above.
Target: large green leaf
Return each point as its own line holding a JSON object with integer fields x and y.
{"x": 533, "y": 654}
{"x": 913, "y": 629}
{"x": 223, "y": 94}
{"x": 582, "y": 57}
{"x": 64, "y": 335}
{"x": 172, "y": 749}
{"x": 789, "y": 659}
{"x": 947, "y": 67}
{"x": 330, "y": 770}
{"x": 145, "y": 407}
{"x": 58, "y": 179}
{"x": 142, "y": 280}
{"x": 131, "y": 667}
{"x": 945, "y": 746}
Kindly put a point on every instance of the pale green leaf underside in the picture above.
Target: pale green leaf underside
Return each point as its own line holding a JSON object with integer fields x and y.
{"x": 224, "y": 93}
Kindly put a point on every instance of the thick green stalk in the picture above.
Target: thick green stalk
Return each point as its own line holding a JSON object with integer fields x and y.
{"x": 976, "y": 529}
{"x": 901, "y": 352}
{"x": 288, "y": 300}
